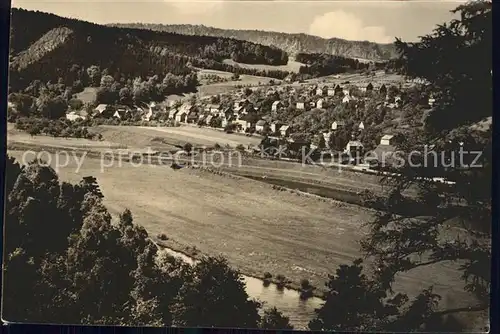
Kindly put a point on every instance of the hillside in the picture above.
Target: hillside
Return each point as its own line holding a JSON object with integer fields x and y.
{"x": 60, "y": 45}
{"x": 291, "y": 43}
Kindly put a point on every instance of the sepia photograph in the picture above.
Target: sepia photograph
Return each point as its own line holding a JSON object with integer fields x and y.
{"x": 307, "y": 165}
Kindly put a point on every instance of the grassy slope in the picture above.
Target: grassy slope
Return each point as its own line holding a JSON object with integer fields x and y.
{"x": 292, "y": 66}
{"x": 88, "y": 95}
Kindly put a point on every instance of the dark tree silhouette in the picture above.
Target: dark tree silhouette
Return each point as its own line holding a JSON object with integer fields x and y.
{"x": 463, "y": 89}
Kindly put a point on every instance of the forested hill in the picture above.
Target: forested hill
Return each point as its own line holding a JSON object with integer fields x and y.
{"x": 291, "y": 43}
{"x": 57, "y": 44}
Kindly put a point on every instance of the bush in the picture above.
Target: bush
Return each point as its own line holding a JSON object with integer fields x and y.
{"x": 282, "y": 281}
{"x": 188, "y": 147}
{"x": 162, "y": 236}
{"x": 306, "y": 289}
{"x": 267, "y": 279}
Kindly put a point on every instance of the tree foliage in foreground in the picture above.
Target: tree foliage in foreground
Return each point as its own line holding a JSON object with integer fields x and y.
{"x": 401, "y": 237}
{"x": 67, "y": 261}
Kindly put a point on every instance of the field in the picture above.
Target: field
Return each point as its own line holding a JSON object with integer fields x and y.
{"x": 360, "y": 79}
{"x": 226, "y": 87}
{"x": 258, "y": 229}
{"x": 149, "y": 136}
{"x": 291, "y": 66}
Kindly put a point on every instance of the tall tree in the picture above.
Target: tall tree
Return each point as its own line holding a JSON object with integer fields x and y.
{"x": 448, "y": 60}
{"x": 215, "y": 296}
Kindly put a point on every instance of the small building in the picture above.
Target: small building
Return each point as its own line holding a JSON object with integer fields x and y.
{"x": 260, "y": 125}
{"x": 285, "y": 130}
{"x": 241, "y": 124}
{"x": 387, "y": 140}
{"x": 347, "y": 99}
{"x": 171, "y": 113}
{"x": 319, "y": 103}
{"x": 181, "y": 116}
{"x": 275, "y": 126}
{"x": 208, "y": 119}
{"x": 337, "y": 124}
{"x": 192, "y": 116}
{"x": 121, "y": 112}
{"x": 361, "y": 126}
{"x": 73, "y": 116}
{"x": 101, "y": 109}
{"x": 276, "y": 105}
{"x": 354, "y": 147}
{"x": 300, "y": 105}
{"x": 346, "y": 92}
{"x": 331, "y": 92}
{"x": 241, "y": 103}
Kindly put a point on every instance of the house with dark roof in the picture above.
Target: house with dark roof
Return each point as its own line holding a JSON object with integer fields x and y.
{"x": 276, "y": 105}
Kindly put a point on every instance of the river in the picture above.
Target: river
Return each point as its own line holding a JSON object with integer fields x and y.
{"x": 287, "y": 301}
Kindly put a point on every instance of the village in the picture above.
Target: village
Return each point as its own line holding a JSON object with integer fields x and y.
{"x": 347, "y": 119}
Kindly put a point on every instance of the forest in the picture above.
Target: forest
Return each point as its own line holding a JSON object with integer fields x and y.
{"x": 59, "y": 44}
{"x": 322, "y": 64}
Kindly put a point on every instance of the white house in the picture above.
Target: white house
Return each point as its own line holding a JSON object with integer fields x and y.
{"x": 152, "y": 106}
{"x": 101, "y": 108}
{"x": 387, "y": 140}
{"x": 259, "y": 126}
{"x": 275, "y": 126}
{"x": 346, "y": 92}
{"x": 319, "y": 91}
{"x": 319, "y": 104}
{"x": 181, "y": 115}
{"x": 73, "y": 116}
{"x": 301, "y": 105}
{"x": 331, "y": 92}
{"x": 171, "y": 113}
{"x": 354, "y": 146}
{"x": 346, "y": 99}
{"x": 361, "y": 126}
{"x": 242, "y": 124}
{"x": 337, "y": 124}
{"x": 276, "y": 105}
{"x": 285, "y": 130}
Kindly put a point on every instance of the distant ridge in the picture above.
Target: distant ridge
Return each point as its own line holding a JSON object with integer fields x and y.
{"x": 292, "y": 43}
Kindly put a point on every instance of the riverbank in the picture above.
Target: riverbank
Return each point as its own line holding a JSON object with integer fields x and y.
{"x": 195, "y": 254}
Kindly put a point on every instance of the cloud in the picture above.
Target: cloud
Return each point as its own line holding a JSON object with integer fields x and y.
{"x": 345, "y": 25}
{"x": 196, "y": 7}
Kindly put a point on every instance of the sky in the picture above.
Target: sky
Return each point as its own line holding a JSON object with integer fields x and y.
{"x": 375, "y": 21}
